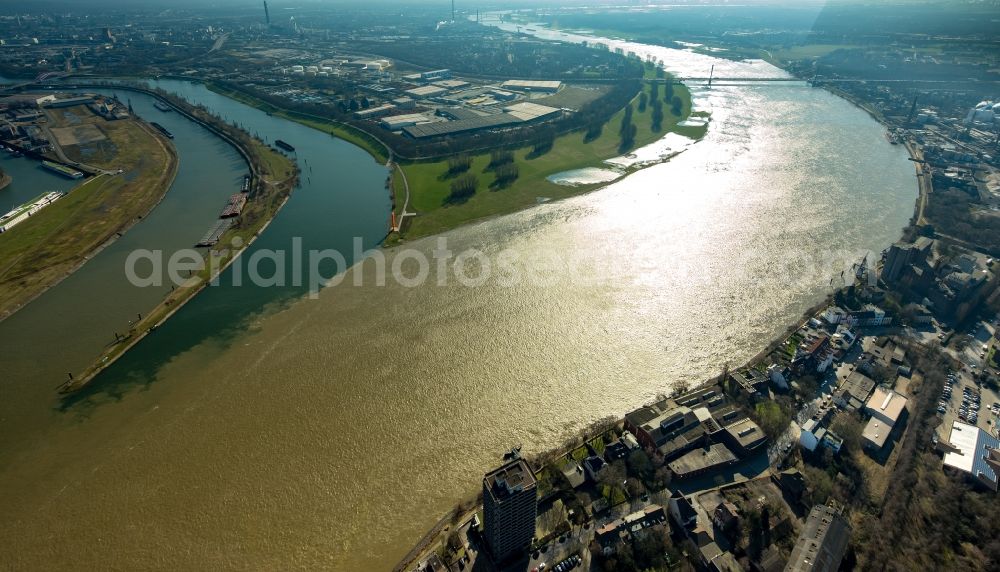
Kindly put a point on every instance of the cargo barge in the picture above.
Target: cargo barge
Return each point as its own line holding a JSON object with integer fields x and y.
{"x": 163, "y": 107}
{"x": 235, "y": 206}
{"x": 62, "y": 170}
{"x": 213, "y": 235}
{"x": 162, "y": 129}
{"x": 246, "y": 184}
{"x": 284, "y": 146}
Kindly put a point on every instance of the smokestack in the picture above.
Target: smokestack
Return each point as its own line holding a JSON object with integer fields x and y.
{"x": 267, "y": 15}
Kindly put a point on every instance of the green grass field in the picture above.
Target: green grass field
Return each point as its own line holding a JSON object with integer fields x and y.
{"x": 430, "y": 186}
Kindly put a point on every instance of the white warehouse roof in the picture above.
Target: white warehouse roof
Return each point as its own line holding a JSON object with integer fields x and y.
{"x": 976, "y": 455}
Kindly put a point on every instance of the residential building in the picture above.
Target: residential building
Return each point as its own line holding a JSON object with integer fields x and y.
{"x": 854, "y": 392}
{"x": 749, "y": 383}
{"x": 822, "y": 543}
{"x": 870, "y": 316}
{"x": 510, "y": 505}
{"x": 592, "y": 466}
{"x": 726, "y": 516}
{"x": 681, "y": 511}
{"x": 813, "y": 434}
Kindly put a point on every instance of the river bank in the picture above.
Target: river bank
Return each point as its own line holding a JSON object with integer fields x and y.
{"x": 269, "y": 192}
{"x": 66, "y": 237}
{"x": 236, "y": 435}
{"x": 421, "y": 203}
{"x": 436, "y": 537}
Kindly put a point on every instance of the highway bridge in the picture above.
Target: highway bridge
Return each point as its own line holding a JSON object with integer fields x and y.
{"x": 812, "y": 80}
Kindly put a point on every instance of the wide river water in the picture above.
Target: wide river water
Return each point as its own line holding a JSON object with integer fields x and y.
{"x": 260, "y": 429}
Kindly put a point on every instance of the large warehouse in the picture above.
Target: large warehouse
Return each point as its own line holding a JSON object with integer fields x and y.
{"x": 532, "y": 85}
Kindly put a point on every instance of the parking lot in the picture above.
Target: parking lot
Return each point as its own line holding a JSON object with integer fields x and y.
{"x": 965, "y": 401}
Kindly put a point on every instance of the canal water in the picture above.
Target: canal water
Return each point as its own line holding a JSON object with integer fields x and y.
{"x": 28, "y": 181}
{"x": 261, "y": 429}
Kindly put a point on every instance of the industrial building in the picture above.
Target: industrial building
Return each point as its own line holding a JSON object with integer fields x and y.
{"x": 526, "y": 111}
{"x": 973, "y": 452}
{"x": 374, "y": 112}
{"x": 435, "y": 75}
{"x": 442, "y": 128}
{"x": 451, "y": 83}
{"x": 397, "y": 122}
{"x": 532, "y": 85}
{"x": 69, "y": 102}
{"x": 426, "y": 91}
{"x": 404, "y": 102}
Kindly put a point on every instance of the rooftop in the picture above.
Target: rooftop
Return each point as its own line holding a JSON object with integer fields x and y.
{"x": 856, "y": 389}
{"x": 531, "y": 84}
{"x": 716, "y": 455}
{"x": 977, "y": 453}
{"x": 876, "y": 432}
{"x": 887, "y": 403}
{"x": 526, "y": 111}
{"x": 509, "y": 479}
{"x": 746, "y": 433}
{"x": 823, "y": 541}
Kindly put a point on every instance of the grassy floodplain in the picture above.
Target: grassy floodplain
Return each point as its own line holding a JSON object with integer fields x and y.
{"x": 48, "y": 246}
{"x": 429, "y": 184}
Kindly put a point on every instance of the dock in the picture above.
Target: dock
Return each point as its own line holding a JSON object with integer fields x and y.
{"x": 211, "y": 237}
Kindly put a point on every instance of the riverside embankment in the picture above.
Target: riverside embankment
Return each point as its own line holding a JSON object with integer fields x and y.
{"x": 272, "y": 178}
{"x": 257, "y": 428}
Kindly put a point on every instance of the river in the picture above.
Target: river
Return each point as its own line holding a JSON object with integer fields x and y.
{"x": 259, "y": 429}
